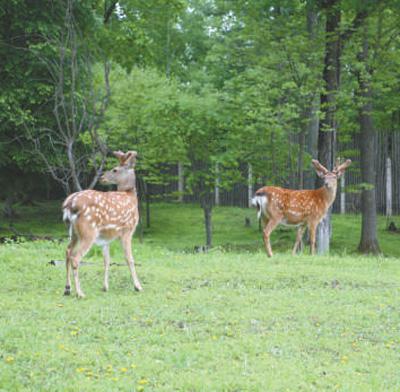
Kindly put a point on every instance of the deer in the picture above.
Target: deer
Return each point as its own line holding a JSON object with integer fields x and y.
{"x": 299, "y": 208}
{"x": 99, "y": 218}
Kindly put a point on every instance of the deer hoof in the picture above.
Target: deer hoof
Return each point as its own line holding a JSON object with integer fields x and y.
{"x": 80, "y": 295}
{"x": 138, "y": 288}
{"x": 105, "y": 288}
{"x": 67, "y": 290}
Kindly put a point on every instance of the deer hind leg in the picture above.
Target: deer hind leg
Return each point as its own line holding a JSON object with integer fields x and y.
{"x": 299, "y": 236}
{"x": 126, "y": 244}
{"x": 76, "y": 255}
{"x": 106, "y": 256}
{"x": 270, "y": 226}
{"x": 312, "y": 229}
{"x": 70, "y": 248}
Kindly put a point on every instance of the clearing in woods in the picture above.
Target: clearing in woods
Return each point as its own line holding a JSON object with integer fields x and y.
{"x": 227, "y": 320}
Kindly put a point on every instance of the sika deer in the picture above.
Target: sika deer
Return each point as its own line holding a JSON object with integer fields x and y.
{"x": 101, "y": 217}
{"x": 299, "y": 208}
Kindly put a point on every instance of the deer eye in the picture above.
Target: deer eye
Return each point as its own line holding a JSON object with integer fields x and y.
{"x": 115, "y": 170}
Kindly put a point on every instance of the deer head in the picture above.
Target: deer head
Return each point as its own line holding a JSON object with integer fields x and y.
{"x": 330, "y": 177}
{"x": 122, "y": 175}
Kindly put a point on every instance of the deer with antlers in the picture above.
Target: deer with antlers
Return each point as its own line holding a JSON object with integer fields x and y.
{"x": 100, "y": 217}
{"x": 300, "y": 208}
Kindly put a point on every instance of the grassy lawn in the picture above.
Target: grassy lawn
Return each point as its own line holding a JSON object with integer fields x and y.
{"x": 228, "y": 320}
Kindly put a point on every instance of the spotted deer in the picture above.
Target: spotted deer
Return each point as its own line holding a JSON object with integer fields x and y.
{"x": 299, "y": 208}
{"x": 96, "y": 217}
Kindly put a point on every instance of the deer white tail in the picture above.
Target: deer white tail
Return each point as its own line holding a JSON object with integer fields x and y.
{"x": 69, "y": 217}
{"x": 260, "y": 202}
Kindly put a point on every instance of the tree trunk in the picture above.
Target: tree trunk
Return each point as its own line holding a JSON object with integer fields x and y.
{"x": 217, "y": 182}
{"x": 389, "y": 209}
{"x": 313, "y": 108}
{"x": 368, "y": 241}
{"x": 8, "y": 210}
{"x": 342, "y": 194}
{"x": 312, "y": 135}
{"x": 208, "y": 224}
{"x": 327, "y": 125}
{"x": 249, "y": 185}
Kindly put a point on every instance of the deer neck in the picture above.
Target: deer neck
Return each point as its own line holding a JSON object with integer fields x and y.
{"x": 127, "y": 185}
{"x": 329, "y": 194}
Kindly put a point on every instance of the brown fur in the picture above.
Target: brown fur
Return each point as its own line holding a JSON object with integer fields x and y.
{"x": 101, "y": 217}
{"x": 299, "y": 207}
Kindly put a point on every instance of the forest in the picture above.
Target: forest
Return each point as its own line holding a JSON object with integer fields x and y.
{"x": 199, "y": 111}
{"x": 218, "y": 97}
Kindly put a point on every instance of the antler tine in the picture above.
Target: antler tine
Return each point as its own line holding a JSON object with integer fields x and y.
{"x": 337, "y": 164}
{"x": 120, "y": 156}
{"x": 344, "y": 165}
{"x": 130, "y": 158}
{"x": 320, "y": 167}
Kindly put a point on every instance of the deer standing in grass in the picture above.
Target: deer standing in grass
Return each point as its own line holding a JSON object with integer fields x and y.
{"x": 101, "y": 217}
{"x": 299, "y": 208}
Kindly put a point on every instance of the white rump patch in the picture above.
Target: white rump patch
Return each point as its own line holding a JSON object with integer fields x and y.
{"x": 260, "y": 202}
{"x": 68, "y": 216}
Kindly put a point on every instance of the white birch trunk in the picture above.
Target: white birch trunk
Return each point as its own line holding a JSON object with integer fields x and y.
{"x": 342, "y": 195}
{"x": 217, "y": 182}
{"x": 249, "y": 185}
{"x": 323, "y": 235}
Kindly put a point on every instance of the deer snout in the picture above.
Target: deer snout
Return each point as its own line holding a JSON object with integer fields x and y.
{"x": 103, "y": 179}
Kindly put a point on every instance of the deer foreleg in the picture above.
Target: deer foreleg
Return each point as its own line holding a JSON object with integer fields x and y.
{"x": 106, "y": 256}
{"x": 126, "y": 244}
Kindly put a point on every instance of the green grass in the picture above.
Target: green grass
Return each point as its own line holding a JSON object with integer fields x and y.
{"x": 180, "y": 227}
{"x": 221, "y": 321}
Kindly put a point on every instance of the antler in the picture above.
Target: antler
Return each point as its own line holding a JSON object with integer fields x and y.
{"x": 321, "y": 170}
{"x": 126, "y": 159}
{"x": 339, "y": 169}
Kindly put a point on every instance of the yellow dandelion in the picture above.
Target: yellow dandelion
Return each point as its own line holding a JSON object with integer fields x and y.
{"x": 61, "y": 347}
{"x": 109, "y": 368}
{"x": 214, "y": 337}
{"x": 60, "y": 305}
{"x": 124, "y": 369}
{"x": 9, "y": 359}
{"x": 74, "y": 333}
{"x": 133, "y": 366}
{"x": 114, "y": 378}
{"x": 344, "y": 359}
{"x": 143, "y": 381}
{"x": 80, "y": 369}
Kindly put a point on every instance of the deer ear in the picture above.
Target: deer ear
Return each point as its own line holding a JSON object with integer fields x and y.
{"x": 321, "y": 170}
{"x": 342, "y": 168}
{"x": 130, "y": 158}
